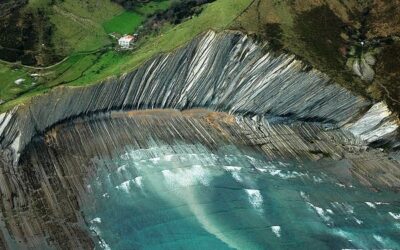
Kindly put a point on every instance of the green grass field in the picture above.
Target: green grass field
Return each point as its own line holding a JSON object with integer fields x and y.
{"x": 125, "y": 23}
{"x": 128, "y": 21}
{"x": 84, "y": 69}
{"x": 217, "y": 15}
{"x": 152, "y": 7}
{"x": 10, "y": 90}
{"x": 77, "y": 24}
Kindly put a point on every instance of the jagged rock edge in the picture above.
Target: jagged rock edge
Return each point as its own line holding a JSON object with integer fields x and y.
{"x": 224, "y": 71}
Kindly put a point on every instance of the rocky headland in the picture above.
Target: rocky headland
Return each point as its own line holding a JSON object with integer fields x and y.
{"x": 221, "y": 88}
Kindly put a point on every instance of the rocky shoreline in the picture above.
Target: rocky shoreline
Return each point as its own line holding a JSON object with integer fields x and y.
{"x": 224, "y": 72}
{"x": 271, "y": 103}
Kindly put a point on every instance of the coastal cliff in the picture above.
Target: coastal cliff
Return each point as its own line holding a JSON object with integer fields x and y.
{"x": 219, "y": 89}
{"x": 223, "y": 72}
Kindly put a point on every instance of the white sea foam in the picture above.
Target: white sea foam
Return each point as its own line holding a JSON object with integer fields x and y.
{"x": 168, "y": 157}
{"x": 104, "y": 245}
{"x": 235, "y": 172}
{"x": 232, "y": 168}
{"x": 358, "y": 221}
{"x": 344, "y": 207}
{"x": 276, "y": 230}
{"x": 356, "y": 241}
{"x": 96, "y": 220}
{"x": 237, "y": 177}
{"x": 283, "y": 164}
{"x": 263, "y": 170}
{"x": 382, "y": 203}
{"x": 317, "y": 179}
{"x": 187, "y": 177}
{"x": 121, "y": 168}
{"x": 102, "y": 242}
{"x": 275, "y": 172}
{"x": 396, "y": 216}
{"x": 378, "y": 238}
{"x": 304, "y": 195}
{"x": 370, "y": 204}
{"x": 386, "y": 241}
{"x": 349, "y": 209}
{"x": 138, "y": 181}
{"x": 329, "y": 211}
{"x": 155, "y": 160}
{"x": 124, "y": 186}
{"x": 124, "y": 156}
{"x": 320, "y": 211}
{"x": 340, "y": 185}
{"x": 287, "y": 175}
{"x": 255, "y": 198}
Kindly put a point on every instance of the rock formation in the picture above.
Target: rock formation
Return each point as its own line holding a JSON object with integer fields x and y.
{"x": 224, "y": 72}
{"x": 274, "y": 104}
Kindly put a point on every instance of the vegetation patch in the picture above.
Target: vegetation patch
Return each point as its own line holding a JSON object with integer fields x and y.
{"x": 28, "y": 37}
{"x": 320, "y": 31}
{"x": 125, "y": 23}
{"x": 273, "y": 33}
{"x": 14, "y": 82}
{"x": 92, "y": 67}
{"x": 388, "y": 75}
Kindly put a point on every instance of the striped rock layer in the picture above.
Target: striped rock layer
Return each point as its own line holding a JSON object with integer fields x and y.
{"x": 224, "y": 72}
{"x": 275, "y": 105}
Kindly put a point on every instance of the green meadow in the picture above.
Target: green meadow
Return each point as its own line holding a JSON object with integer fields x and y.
{"x": 90, "y": 68}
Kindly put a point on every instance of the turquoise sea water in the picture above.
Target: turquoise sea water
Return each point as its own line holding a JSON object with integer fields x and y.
{"x": 187, "y": 197}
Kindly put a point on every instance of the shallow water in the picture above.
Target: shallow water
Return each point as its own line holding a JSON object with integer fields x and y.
{"x": 188, "y": 197}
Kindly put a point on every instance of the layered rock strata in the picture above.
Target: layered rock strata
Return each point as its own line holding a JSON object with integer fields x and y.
{"x": 41, "y": 201}
{"x": 224, "y": 72}
{"x": 277, "y": 106}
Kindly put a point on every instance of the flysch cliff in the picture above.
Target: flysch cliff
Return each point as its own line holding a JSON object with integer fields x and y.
{"x": 274, "y": 104}
{"x": 42, "y": 197}
{"x": 224, "y": 72}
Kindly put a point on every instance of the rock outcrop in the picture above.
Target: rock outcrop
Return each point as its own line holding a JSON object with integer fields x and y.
{"x": 223, "y": 72}
{"x": 42, "y": 197}
{"x": 275, "y": 105}
{"x": 363, "y": 68}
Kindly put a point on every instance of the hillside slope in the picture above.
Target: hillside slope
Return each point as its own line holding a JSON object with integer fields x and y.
{"x": 42, "y": 32}
{"x": 91, "y": 68}
{"x": 354, "y": 42}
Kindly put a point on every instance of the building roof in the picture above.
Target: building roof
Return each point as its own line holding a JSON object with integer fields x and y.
{"x": 127, "y": 38}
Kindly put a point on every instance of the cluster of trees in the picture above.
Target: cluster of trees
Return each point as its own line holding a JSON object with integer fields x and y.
{"x": 181, "y": 10}
{"x": 130, "y": 4}
{"x": 9, "y": 6}
{"x": 27, "y": 37}
{"x": 177, "y": 13}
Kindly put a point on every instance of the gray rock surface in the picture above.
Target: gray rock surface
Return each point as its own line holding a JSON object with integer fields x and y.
{"x": 275, "y": 106}
{"x": 362, "y": 68}
{"x": 224, "y": 72}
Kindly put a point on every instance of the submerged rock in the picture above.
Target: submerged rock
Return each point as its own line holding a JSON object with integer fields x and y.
{"x": 56, "y": 171}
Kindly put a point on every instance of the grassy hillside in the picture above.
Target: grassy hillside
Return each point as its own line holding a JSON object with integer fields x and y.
{"x": 89, "y": 68}
{"x": 78, "y": 24}
{"x": 123, "y": 24}
{"x": 41, "y": 32}
{"x": 48, "y": 30}
{"x": 327, "y": 34}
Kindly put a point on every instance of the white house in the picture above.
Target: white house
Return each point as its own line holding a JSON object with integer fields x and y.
{"x": 126, "y": 41}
